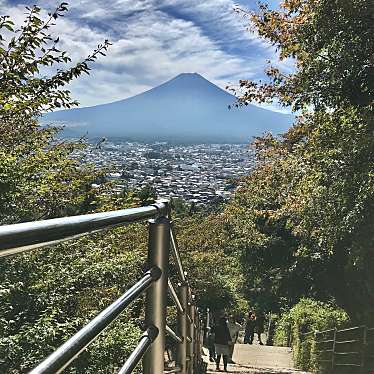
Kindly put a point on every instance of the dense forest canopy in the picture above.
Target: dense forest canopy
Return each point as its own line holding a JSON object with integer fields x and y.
{"x": 308, "y": 207}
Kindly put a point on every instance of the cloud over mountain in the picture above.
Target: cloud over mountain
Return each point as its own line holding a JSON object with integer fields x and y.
{"x": 153, "y": 40}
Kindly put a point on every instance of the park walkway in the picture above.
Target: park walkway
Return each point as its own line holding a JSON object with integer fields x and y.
{"x": 256, "y": 359}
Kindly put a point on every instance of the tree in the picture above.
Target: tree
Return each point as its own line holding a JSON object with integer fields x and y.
{"x": 44, "y": 293}
{"x": 331, "y": 43}
{"x": 38, "y": 176}
{"x": 208, "y": 258}
{"x": 49, "y": 294}
{"x": 147, "y": 195}
{"x": 311, "y": 199}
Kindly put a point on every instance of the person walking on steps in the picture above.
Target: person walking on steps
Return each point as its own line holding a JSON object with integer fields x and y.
{"x": 260, "y": 327}
{"x": 212, "y": 350}
{"x": 250, "y": 328}
{"x": 222, "y": 339}
{"x": 234, "y": 328}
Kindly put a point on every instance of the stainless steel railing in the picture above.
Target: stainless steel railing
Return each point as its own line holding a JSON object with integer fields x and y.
{"x": 333, "y": 349}
{"x": 22, "y": 237}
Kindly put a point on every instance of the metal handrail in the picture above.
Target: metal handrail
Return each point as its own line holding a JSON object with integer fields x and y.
{"x": 346, "y": 350}
{"x": 347, "y": 353}
{"x": 324, "y": 331}
{"x": 174, "y": 296}
{"x": 62, "y": 357}
{"x": 173, "y": 370}
{"x": 347, "y": 341}
{"x": 173, "y": 335}
{"x": 25, "y": 236}
{"x": 22, "y": 237}
{"x": 351, "y": 329}
{"x": 307, "y": 333}
{"x": 144, "y": 343}
{"x": 326, "y": 341}
{"x": 175, "y": 252}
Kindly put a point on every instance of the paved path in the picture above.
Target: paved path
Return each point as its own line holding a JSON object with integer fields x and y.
{"x": 256, "y": 359}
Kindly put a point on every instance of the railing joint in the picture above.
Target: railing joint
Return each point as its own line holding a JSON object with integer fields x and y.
{"x": 144, "y": 343}
{"x": 155, "y": 272}
{"x": 162, "y": 205}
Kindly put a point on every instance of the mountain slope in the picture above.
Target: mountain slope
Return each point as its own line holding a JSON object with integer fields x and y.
{"x": 186, "y": 108}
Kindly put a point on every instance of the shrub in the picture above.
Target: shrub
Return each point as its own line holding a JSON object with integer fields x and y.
{"x": 306, "y": 316}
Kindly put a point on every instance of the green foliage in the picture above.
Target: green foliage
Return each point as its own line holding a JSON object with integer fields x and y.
{"x": 180, "y": 208}
{"x": 110, "y": 352}
{"x": 146, "y": 195}
{"x": 303, "y": 220}
{"x": 332, "y": 44}
{"x": 49, "y": 294}
{"x": 213, "y": 270}
{"x": 38, "y": 175}
{"x": 307, "y": 316}
{"x": 301, "y": 224}
{"x": 41, "y": 179}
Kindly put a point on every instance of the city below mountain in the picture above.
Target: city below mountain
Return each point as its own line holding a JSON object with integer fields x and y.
{"x": 187, "y": 108}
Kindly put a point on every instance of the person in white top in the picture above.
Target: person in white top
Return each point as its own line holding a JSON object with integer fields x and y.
{"x": 234, "y": 328}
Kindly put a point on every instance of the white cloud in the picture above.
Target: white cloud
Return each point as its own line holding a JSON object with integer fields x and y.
{"x": 154, "y": 40}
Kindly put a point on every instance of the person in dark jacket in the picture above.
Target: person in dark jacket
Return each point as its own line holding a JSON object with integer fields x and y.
{"x": 260, "y": 326}
{"x": 210, "y": 341}
{"x": 222, "y": 339}
{"x": 250, "y": 328}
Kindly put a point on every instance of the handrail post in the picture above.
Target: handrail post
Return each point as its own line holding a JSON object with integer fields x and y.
{"x": 200, "y": 338}
{"x": 156, "y": 297}
{"x": 182, "y": 329}
{"x": 333, "y": 350}
{"x": 364, "y": 349}
{"x": 207, "y": 327}
{"x": 197, "y": 339}
{"x": 191, "y": 350}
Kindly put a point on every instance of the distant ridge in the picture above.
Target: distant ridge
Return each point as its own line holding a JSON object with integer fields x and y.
{"x": 186, "y": 108}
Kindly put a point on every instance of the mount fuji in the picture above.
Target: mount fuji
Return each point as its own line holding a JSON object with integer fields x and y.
{"x": 187, "y": 108}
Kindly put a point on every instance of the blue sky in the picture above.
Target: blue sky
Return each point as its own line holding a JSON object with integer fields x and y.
{"x": 154, "y": 40}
